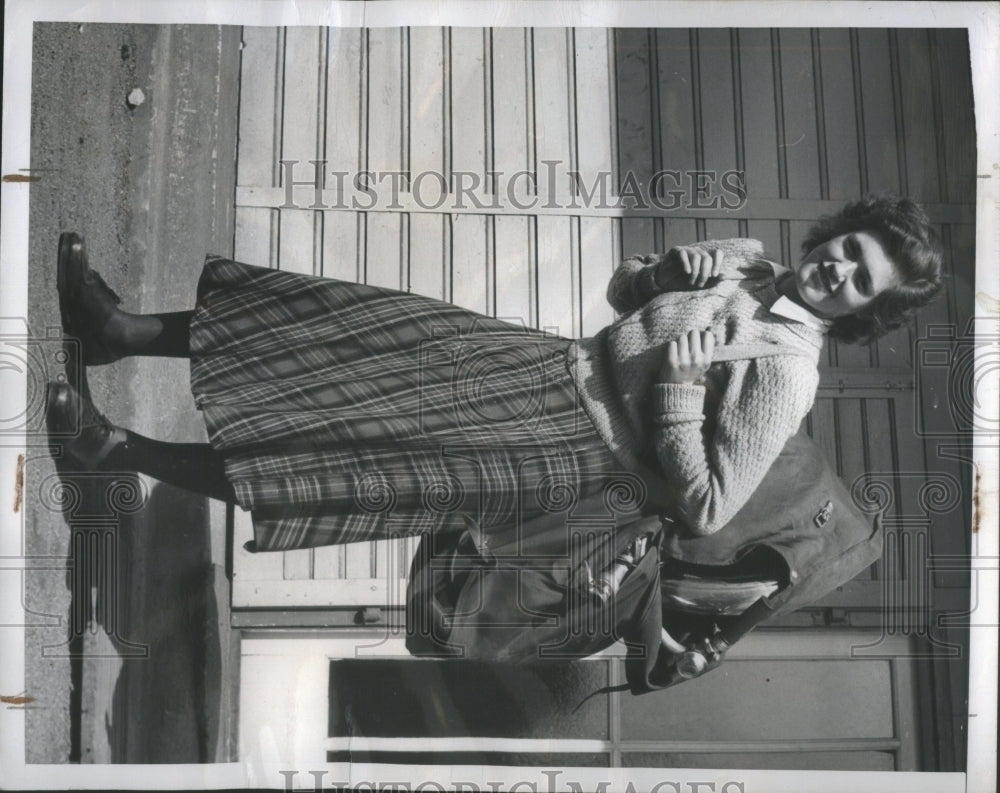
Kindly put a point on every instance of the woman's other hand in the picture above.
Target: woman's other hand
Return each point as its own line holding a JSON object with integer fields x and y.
{"x": 688, "y": 358}
{"x": 691, "y": 264}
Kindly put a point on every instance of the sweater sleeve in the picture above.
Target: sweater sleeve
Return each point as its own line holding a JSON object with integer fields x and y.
{"x": 633, "y": 284}
{"x": 712, "y": 478}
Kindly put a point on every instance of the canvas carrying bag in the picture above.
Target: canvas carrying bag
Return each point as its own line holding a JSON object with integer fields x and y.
{"x": 523, "y": 596}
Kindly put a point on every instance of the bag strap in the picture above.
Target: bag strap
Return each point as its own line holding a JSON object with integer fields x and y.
{"x": 740, "y": 352}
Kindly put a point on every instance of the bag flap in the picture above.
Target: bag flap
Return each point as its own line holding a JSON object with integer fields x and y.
{"x": 801, "y": 509}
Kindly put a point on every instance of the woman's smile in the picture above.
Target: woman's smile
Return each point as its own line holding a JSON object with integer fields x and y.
{"x": 844, "y": 274}
{"x": 825, "y": 277}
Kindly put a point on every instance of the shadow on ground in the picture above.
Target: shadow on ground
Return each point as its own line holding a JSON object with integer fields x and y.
{"x": 169, "y": 701}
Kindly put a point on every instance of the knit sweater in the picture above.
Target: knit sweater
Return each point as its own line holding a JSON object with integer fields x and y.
{"x": 708, "y": 455}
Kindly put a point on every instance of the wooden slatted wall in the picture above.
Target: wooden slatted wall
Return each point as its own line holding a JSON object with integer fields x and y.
{"x": 812, "y": 117}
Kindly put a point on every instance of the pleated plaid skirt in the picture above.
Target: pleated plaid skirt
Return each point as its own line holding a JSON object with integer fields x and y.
{"x": 349, "y": 412}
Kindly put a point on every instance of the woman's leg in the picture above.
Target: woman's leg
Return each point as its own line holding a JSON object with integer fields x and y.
{"x": 166, "y": 335}
{"x": 195, "y": 467}
{"x": 92, "y": 443}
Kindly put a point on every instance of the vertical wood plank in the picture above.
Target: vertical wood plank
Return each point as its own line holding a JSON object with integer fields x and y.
{"x": 329, "y": 562}
{"x": 558, "y": 285}
{"x": 345, "y": 150}
{"x": 254, "y": 243}
{"x": 759, "y": 112}
{"x": 381, "y": 551}
{"x": 468, "y": 122}
{"x": 383, "y": 250}
{"x": 426, "y": 256}
{"x": 598, "y": 256}
{"x": 880, "y": 448}
{"x": 958, "y": 145}
{"x": 554, "y": 111}
{"x": 471, "y": 285}
{"x": 302, "y": 103}
{"x": 297, "y": 565}
{"x": 595, "y": 145}
{"x": 594, "y": 112}
{"x": 385, "y": 99}
{"x": 638, "y": 237}
{"x": 471, "y": 278}
{"x": 912, "y": 466}
{"x": 799, "y": 114}
{"x": 944, "y": 309}
{"x": 879, "y": 133}
{"x": 675, "y": 95}
{"x": 768, "y": 232}
{"x": 427, "y": 270}
{"x": 383, "y": 245}
{"x": 345, "y": 130}
{"x": 719, "y": 129}
{"x": 426, "y": 101}
{"x": 883, "y": 464}
{"x": 342, "y": 250}
{"x": 512, "y": 90}
{"x": 512, "y": 237}
{"x": 923, "y": 182}
{"x": 720, "y": 229}
{"x": 260, "y": 97}
{"x": 960, "y": 264}
{"x": 638, "y": 150}
{"x": 557, "y": 276}
{"x": 297, "y": 244}
{"x": 251, "y": 566}
{"x": 895, "y": 349}
{"x": 679, "y": 231}
{"x": 359, "y": 560}
{"x": 513, "y": 244}
{"x": 300, "y": 142}
{"x": 961, "y": 268}
{"x": 851, "y": 430}
{"x": 843, "y": 159}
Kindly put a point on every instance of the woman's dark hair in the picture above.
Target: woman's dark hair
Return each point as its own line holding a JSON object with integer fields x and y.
{"x": 906, "y": 233}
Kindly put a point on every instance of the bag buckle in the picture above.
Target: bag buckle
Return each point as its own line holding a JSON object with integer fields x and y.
{"x": 823, "y": 515}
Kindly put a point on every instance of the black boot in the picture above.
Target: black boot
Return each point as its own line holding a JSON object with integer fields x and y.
{"x": 90, "y": 313}
{"x": 87, "y": 438}
{"x": 86, "y": 303}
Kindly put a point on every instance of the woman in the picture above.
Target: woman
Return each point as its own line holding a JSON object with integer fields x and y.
{"x": 339, "y": 412}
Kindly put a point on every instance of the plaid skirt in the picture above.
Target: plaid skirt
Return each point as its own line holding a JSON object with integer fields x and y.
{"x": 349, "y": 412}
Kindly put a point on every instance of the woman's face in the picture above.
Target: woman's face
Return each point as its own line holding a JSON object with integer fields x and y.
{"x": 845, "y": 274}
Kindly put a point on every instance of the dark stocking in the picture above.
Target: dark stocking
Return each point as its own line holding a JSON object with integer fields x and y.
{"x": 195, "y": 467}
{"x": 166, "y": 335}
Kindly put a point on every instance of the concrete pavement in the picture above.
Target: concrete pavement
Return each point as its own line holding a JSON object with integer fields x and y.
{"x": 150, "y": 184}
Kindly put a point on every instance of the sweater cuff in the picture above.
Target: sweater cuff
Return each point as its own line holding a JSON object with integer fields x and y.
{"x": 678, "y": 398}
{"x": 647, "y": 281}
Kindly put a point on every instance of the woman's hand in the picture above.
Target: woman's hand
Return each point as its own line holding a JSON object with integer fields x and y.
{"x": 688, "y": 358}
{"x": 696, "y": 263}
